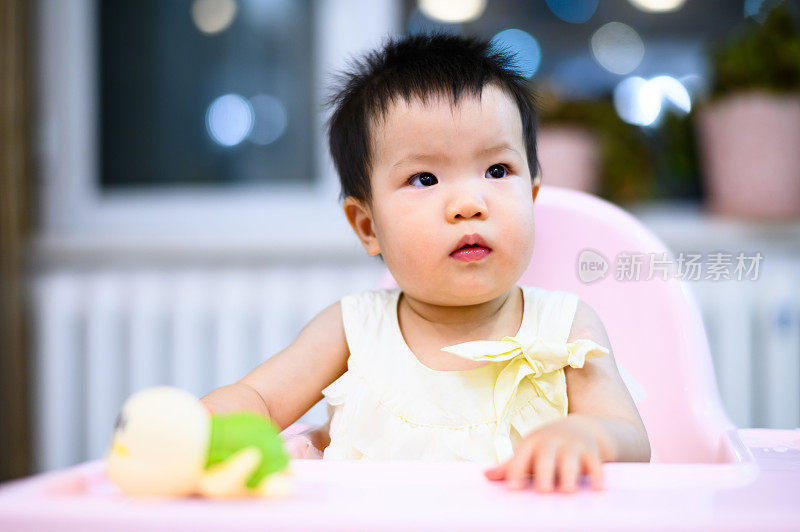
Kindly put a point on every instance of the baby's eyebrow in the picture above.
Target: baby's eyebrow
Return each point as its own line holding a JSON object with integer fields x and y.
{"x": 433, "y": 157}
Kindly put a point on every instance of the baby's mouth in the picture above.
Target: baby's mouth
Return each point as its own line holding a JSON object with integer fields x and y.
{"x": 470, "y": 252}
{"x": 471, "y": 243}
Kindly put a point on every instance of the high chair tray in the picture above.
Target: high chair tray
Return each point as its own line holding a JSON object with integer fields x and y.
{"x": 759, "y": 488}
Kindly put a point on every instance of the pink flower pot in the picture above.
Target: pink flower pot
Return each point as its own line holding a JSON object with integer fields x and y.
{"x": 570, "y": 157}
{"x": 750, "y": 147}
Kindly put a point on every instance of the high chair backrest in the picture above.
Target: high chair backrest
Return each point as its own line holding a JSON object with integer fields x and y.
{"x": 654, "y": 325}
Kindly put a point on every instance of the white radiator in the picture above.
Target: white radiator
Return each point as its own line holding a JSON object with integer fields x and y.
{"x": 102, "y": 335}
{"x": 754, "y": 332}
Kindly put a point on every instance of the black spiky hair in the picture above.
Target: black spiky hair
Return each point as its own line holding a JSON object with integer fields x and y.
{"x": 416, "y": 67}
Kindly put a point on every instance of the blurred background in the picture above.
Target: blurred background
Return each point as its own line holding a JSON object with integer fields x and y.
{"x": 170, "y": 214}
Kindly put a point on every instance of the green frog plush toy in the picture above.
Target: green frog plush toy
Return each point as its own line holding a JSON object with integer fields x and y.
{"x": 167, "y": 443}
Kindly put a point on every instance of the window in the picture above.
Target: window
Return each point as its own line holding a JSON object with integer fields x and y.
{"x": 205, "y": 92}
{"x": 180, "y": 187}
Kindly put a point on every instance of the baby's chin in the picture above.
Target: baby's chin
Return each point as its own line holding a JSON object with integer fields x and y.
{"x": 457, "y": 296}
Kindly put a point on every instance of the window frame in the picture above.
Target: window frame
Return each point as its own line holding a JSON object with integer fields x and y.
{"x": 75, "y": 214}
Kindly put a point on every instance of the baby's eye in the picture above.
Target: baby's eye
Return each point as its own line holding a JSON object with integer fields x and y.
{"x": 496, "y": 171}
{"x": 426, "y": 179}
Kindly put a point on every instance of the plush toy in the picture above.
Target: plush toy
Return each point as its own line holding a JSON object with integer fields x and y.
{"x": 167, "y": 443}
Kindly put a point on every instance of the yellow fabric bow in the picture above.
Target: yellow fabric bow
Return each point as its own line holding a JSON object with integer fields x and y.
{"x": 538, "y": 359}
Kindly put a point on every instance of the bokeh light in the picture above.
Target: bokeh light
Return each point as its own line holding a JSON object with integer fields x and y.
{"x": 575, "y": 11}
{"x": 524, "y": 45}
{"x": 418, "y": 23}
{"x": 617, "y": 47}
{"x": 213, "y": 16}
{"x": 637, "y": 101}
{"x": 658, "y": 6}
{"x": 452, "y": 11}
{"x": 270, "y": 119}
{"x": 229, "y": 119}
{"x": 673, "y": 91}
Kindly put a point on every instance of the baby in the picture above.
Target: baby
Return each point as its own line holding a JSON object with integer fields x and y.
{"x": 434, "y": 140}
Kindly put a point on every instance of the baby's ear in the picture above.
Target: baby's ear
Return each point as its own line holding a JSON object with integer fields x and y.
{"x": 360, "y": 217}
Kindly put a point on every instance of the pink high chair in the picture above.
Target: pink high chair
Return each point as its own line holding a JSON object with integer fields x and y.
{"x": 705, "y": 473}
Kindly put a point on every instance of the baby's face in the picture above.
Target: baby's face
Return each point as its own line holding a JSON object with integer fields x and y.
{"x": 440, "y": 174}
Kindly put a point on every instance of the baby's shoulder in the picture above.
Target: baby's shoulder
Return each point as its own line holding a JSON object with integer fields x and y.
{"x": 369, "y": 300}
{"x": 373, "y": 294}
{"x": 541, "y": 295}
{"x": 369, "y": 308}
{"x": 549, "y": 312}
{"x": 568, "y": 313}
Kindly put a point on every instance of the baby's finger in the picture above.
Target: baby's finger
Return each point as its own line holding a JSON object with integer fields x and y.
{"x": 518, "y": 471}
{"x": 545, "y": 468}
{"x": 297, "y": 445}
{"x": 594, "y": 469}
{"x": 497, "y": 472}
{"x": 568, "y": 469}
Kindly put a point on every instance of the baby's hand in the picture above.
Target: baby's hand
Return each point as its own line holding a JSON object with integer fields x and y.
{"x": 564, "y": 448}
{"x": 300, "y": 446}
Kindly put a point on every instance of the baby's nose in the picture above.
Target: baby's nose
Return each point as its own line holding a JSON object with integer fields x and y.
{"x": 466, "y": 206}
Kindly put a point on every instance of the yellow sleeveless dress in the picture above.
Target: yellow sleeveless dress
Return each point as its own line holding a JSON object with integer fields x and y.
{"x": 390, "y": 406}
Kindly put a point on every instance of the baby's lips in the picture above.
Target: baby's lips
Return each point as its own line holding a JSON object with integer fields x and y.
{"x": 471, "y": 240}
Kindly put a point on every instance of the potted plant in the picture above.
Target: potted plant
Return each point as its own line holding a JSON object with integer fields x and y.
{"x": 584, "y": 145}
{"x": 749, "y": 131}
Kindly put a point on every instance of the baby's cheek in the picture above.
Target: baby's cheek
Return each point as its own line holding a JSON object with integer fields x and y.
{"x": 519, "y": 240}
{"x": 408, "y": 255}
{"x": 429, "y": 256}
{"x": 520, "y": 227}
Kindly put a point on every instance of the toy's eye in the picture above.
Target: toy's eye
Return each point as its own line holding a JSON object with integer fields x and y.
{"x": 120, "y": 422}
{"x": 426, "y": 179}
{"x": 496, "y": 171}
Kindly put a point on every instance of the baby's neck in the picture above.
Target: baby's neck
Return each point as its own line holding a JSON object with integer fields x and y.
{"x": 464, "y": 320}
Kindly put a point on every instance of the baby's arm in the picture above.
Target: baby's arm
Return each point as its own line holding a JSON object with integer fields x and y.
{"x": 286, "y": 385}
{"x": 603, "y": 424}
{"x": 598, "y": 394}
